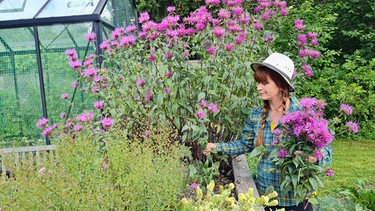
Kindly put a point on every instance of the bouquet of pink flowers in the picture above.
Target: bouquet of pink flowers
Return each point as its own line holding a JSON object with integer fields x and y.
{"x": 307, "y": 133}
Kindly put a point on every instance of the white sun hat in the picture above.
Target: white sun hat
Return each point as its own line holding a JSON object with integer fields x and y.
{"x": 281, "y": 64}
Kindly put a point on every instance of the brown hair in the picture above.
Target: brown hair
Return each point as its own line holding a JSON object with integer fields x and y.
{"x": 261, "y": 75}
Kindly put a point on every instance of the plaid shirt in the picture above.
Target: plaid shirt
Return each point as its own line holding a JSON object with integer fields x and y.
{"x": 265, "y": 177}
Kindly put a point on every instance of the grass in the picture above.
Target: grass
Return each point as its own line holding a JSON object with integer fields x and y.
{"x": 352, "y": 160}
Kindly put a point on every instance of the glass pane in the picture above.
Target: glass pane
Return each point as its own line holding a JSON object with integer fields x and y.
{"x": 20, "y": 99}
{"x": 107, "y": 13}
{"x": 57, "y": 8}
{"x": 19, "y": 9}
{"x": 58, "y": 76}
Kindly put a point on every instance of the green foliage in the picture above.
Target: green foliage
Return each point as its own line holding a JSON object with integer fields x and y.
{"x": 222, "y": 201}
{"x": 350, "y": 83}
{"x": 146, "y": 174}
{"x": 335, "y": 204}
{"x": 204, "y": 172}
{"x": 355, "y": 27}
{"x": 158, "y": 8}
{"x": 363, "y": 195}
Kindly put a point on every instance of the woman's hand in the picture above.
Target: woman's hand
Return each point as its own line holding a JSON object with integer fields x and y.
{"x": 208, "y": 148}
{"x": 308, "y": 158}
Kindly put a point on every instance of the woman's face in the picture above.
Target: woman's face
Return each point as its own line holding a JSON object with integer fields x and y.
{"x": 268, "y": 90}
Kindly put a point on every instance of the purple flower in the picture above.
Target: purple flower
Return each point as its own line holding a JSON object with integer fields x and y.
{"x": 107, "y": 123}
{"x": 42, "y": 122}
{"x": 282, "y": 153}
{"x": 276, "y": 132}
{"x": 95, "y": 89}
{"x": 200, "y": 114}
{"x": 298, "y": 24}
{"x": 171, "y": 9}
{"x": 229, "y": 47}
{"x": 90, "y": 37}
{"x": 75, "y": 84}
{"x": 167, "y": 91}
{"x": 62, "y": 115}
{"x": 78, "y": 128}
{"x": 329, "y": 172}
{"x": 144, "y": 17}
{"x": 168, "y": 74}
{"x": 275, "y": 140}
{"x": 141, "y": 82}
{"x": 202, "y": 104}
{"x": 211, "y": 50}
{"x": 194, "y": 186}
{"x": 148, "y": 96}
{"x": 98, "y": 105}
{"x": 85, "y": 117}
{"x": 65, "y": 96}
{"x": 346, "y": 109}
{"x": 151, "y": 58}
{"x": 352, "y": 127}
{"x": 307, "y": 70}
{"x": 47, "y": 132}
{"x": 318, "y": 154}
{"x": 212, "y": 108}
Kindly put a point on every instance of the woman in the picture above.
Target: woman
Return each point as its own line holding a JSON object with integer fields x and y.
{"x": 273, "y": 77}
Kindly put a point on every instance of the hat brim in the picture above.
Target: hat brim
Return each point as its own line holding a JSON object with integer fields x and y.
{"x": 255, "y": 66}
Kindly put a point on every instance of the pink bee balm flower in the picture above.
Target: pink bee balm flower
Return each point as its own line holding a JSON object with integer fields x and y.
{"x": 168, "y": 74}
{"x": 212, "y": 108}
{"x": 329, "y": 172}
{"x": 62, "y": 115}
{"x": 98, "y": 105}
{"x": 42, "y": 122}
{"x": 141, "y": 82}
{"x": 318, "y": 154}
{"x": 65, "y": 96}
{"x": 90, "y": 37}
{"x": 200, "y": 114}
{"x": 95, "y": 89}
{"x": 346, "y": 109}
{"x": 276, "y": 132}
{"x": 151, "y": 58}
{"x": 352, "y": 127}
{"x": 107, "y": 123}
{"x": 194, "y": 186}
{"x": 47, "y": 132}
{"x": 202, "y": 104}
{"x": 282, "y": 153}
{"x": 167, "y": 91}
{"x": 171, "y": 9}
{"x": 229, "y": 47}
{"x": 75, "y": 84}
{"x": 78, "y": 128}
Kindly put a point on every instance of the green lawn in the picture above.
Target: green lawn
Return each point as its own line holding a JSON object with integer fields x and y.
{"x": 352, "y": 160}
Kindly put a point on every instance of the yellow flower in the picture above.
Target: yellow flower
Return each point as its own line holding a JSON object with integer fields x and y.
{"x": 273, "y": 195}
{"x": 313, "y": 194}
{"x": 273, "y": 203}
{"x": 242, "y": 198}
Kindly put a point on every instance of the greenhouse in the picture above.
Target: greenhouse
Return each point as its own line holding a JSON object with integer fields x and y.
{"x": 34, "y": 70}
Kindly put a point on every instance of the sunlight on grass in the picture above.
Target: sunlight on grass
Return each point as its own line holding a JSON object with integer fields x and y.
{"x": 352, "y": 160}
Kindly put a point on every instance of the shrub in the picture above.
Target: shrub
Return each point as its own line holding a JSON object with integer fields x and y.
{"x": 144, "y": 174}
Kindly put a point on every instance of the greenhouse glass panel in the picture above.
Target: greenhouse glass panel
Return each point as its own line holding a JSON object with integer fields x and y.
{"x": 20, "y": 105}
{"x": 57, "y": 8}
{"x": 19, "y": 9}
{"x": 34, "y": 69}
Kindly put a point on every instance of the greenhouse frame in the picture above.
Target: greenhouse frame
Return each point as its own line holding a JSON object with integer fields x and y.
{"x": 34, "y": 70}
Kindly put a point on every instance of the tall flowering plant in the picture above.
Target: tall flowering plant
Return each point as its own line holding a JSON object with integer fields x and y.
{"x": 307, "y": 134}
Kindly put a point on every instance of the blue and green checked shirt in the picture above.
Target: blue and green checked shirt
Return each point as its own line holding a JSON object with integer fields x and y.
{"x": 250, "y": 132}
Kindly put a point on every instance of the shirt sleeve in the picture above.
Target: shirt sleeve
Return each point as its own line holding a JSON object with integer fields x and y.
{"x": 243, "y": 145}
{"x": 327, "y": 156}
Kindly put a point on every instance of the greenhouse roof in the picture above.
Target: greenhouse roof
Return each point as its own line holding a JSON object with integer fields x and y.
{"x": 21, "y": 13}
